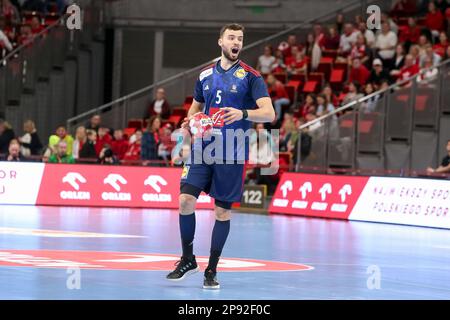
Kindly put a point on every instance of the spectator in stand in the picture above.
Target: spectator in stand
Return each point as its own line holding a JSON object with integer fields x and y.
{"x": 370, "y": 104}
{"x": 62, "y": 154}
{"x": 348, "y": 39}
{"x": 309, "y": 107}
{"x": 354, "y": 93}
{"x": 324, "y": 106}
{"x": 358, "y": 72}
{"x": 332, "y": 39}
{"x": 414, "y": 51}
{"x": 412, "y": 33}
{"x": 159, "y": 106}
{"x": 150, "y": 140}
{"x": 166, "y": 144}
{"x": 404, "y": 8}
{"x": 94, "y": 123}
{"x": 14, "y": 153}
{"x": 310, "y": 42}
{"x": 423, "y": 44}
{"x": 287, "y": 46}
{"x": 107, "y": 156}
{"x": 399, "y": 60}
{"x": 36, "y": 25}
{"x": 30, "y": 143}
{"x": 368, "y": 35}
{"x": 87, "y": 151}
{"x": 434, "y": 20}
{"x": 4, "y": 41}
{"x": 431, "y": 72}
{"x": 133, "y": 153}
{"x": 408, "y": 70}
{"x": 279, "y": 96}
{"x": 392, "y": 25}
{"x": 378, "y": 73}
{"x": 119, "y": 145}
{"x": 339, "y": 23}
{"x": 385, "y": 44}
{"x": 441, "y": 47}
{"x": 360, "y": 50}
{"x": 26, "y": 35}
{"x": 79, "y": 142}
{"x": 266, "y": 61}
{"x": 10, "y": 12}
{"x": 61, "y": 134}
{"x": 297, "y": 64}
{"x": 103, "y": 137}
{"x": 429, "y": 53}
{"x": 6, "y": 135}
{"x": 287, "y": 129}
{"x": 279, "y": 66}
{"x": 442, "y": 5}
{"x": 328, "y": 92}
{"x": 445, "y": 164}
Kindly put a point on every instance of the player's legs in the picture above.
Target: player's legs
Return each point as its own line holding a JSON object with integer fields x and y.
{"x": 219, "y": 236}
{"x": 195, "y": 178}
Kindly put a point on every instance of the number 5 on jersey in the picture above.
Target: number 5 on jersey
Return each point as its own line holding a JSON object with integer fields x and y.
{"x": 218, "y": 97}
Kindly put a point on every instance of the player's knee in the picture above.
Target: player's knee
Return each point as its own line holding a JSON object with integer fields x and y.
{"x": 222, "y": 214}
{"x": 187, "y": 203}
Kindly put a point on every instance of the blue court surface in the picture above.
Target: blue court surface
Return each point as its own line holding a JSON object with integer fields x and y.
{"x": 106, "y": 253}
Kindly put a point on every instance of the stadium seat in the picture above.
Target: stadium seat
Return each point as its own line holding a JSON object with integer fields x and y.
{"x": 329, "y": 53}
{"x": 135, "y": 123}
{"x": 128, "y": 132}
{"x": 281, "y": 77}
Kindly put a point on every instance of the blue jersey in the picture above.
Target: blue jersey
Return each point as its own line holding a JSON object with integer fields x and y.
{"x": 238, "y": 87}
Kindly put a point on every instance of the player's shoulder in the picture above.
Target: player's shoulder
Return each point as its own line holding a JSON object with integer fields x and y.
{"x": 249, "y": 69}
{"x": 206, "y": 71}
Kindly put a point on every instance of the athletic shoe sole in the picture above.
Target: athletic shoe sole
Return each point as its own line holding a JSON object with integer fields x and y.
{"x": 188, "y": 273}
{"x": 211, "y": 287}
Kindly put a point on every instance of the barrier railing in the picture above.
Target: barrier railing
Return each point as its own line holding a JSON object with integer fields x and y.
{"x": 404, "y": 117}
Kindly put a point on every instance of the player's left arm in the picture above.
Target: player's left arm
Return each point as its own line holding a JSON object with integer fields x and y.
{"x": 265, "y": 111}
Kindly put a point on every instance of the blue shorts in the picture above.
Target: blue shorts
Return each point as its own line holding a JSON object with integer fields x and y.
{"x": 223, "y": 182}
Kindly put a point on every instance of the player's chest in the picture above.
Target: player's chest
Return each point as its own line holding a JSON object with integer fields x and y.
{"x": 229, "y": 87}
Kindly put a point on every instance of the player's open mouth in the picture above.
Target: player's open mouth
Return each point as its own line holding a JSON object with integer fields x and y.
{"x": 235, "y": 50}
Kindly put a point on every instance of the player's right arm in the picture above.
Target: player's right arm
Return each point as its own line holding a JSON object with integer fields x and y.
{"x": 196, "y": 107}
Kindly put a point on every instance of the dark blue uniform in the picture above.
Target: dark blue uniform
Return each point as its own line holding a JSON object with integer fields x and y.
{"x": 221, "y": 172}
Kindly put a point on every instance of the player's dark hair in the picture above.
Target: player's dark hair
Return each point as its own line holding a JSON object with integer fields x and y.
{"x": 231, "y": 26}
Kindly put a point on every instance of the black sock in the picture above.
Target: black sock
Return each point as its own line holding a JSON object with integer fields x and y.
{"x": 219, "y": 237}
{"x": 187, "y": 231}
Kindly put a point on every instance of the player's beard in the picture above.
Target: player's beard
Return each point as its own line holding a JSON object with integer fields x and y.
{"x": 227, "y": 55}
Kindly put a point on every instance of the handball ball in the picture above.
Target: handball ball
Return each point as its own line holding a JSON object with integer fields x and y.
{"x": 200, "y": 125}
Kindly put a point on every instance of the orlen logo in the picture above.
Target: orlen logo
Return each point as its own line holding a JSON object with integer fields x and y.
{"x": 286, "y": 187}
{"x": 74, "y": 179}
{"x": 116, "y": 181}
{"x": 155, "y": 182}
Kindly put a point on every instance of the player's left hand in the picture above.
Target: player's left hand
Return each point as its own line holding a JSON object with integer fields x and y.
{"x": 231, "y": 115}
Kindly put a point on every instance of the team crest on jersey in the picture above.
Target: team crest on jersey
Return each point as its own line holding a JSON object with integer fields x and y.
{"x": 185, "y": 172}
{"x": 240, "y": 73}
{"x": 233, "y": 88}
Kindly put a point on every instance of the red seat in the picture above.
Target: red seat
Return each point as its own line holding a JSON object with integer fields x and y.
{"x": 325, "y": 66}
{"x": 175, "y": 119}
{"x": 291, "y": 92}
{"x": 299, "y": 77}
{"x": 281, "y": 77}
{"x": 421, "y": 102}
{"x": 128, "y": 132}
{"x": 135, "y": 123}
{"x": 310, "y": 87}
{"x": 329, "y": 53}
{"x": 179, "y": 112}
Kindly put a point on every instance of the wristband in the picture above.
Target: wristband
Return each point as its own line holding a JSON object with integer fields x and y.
{"x": 244, "y": 114}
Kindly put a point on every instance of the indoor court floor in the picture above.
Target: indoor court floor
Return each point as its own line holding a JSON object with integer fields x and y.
{"x": 108, "y": 253}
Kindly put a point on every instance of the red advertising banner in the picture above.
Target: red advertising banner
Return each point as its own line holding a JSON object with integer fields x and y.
{"x": 326, "y": 196}
{"x": 113, "y": 186}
